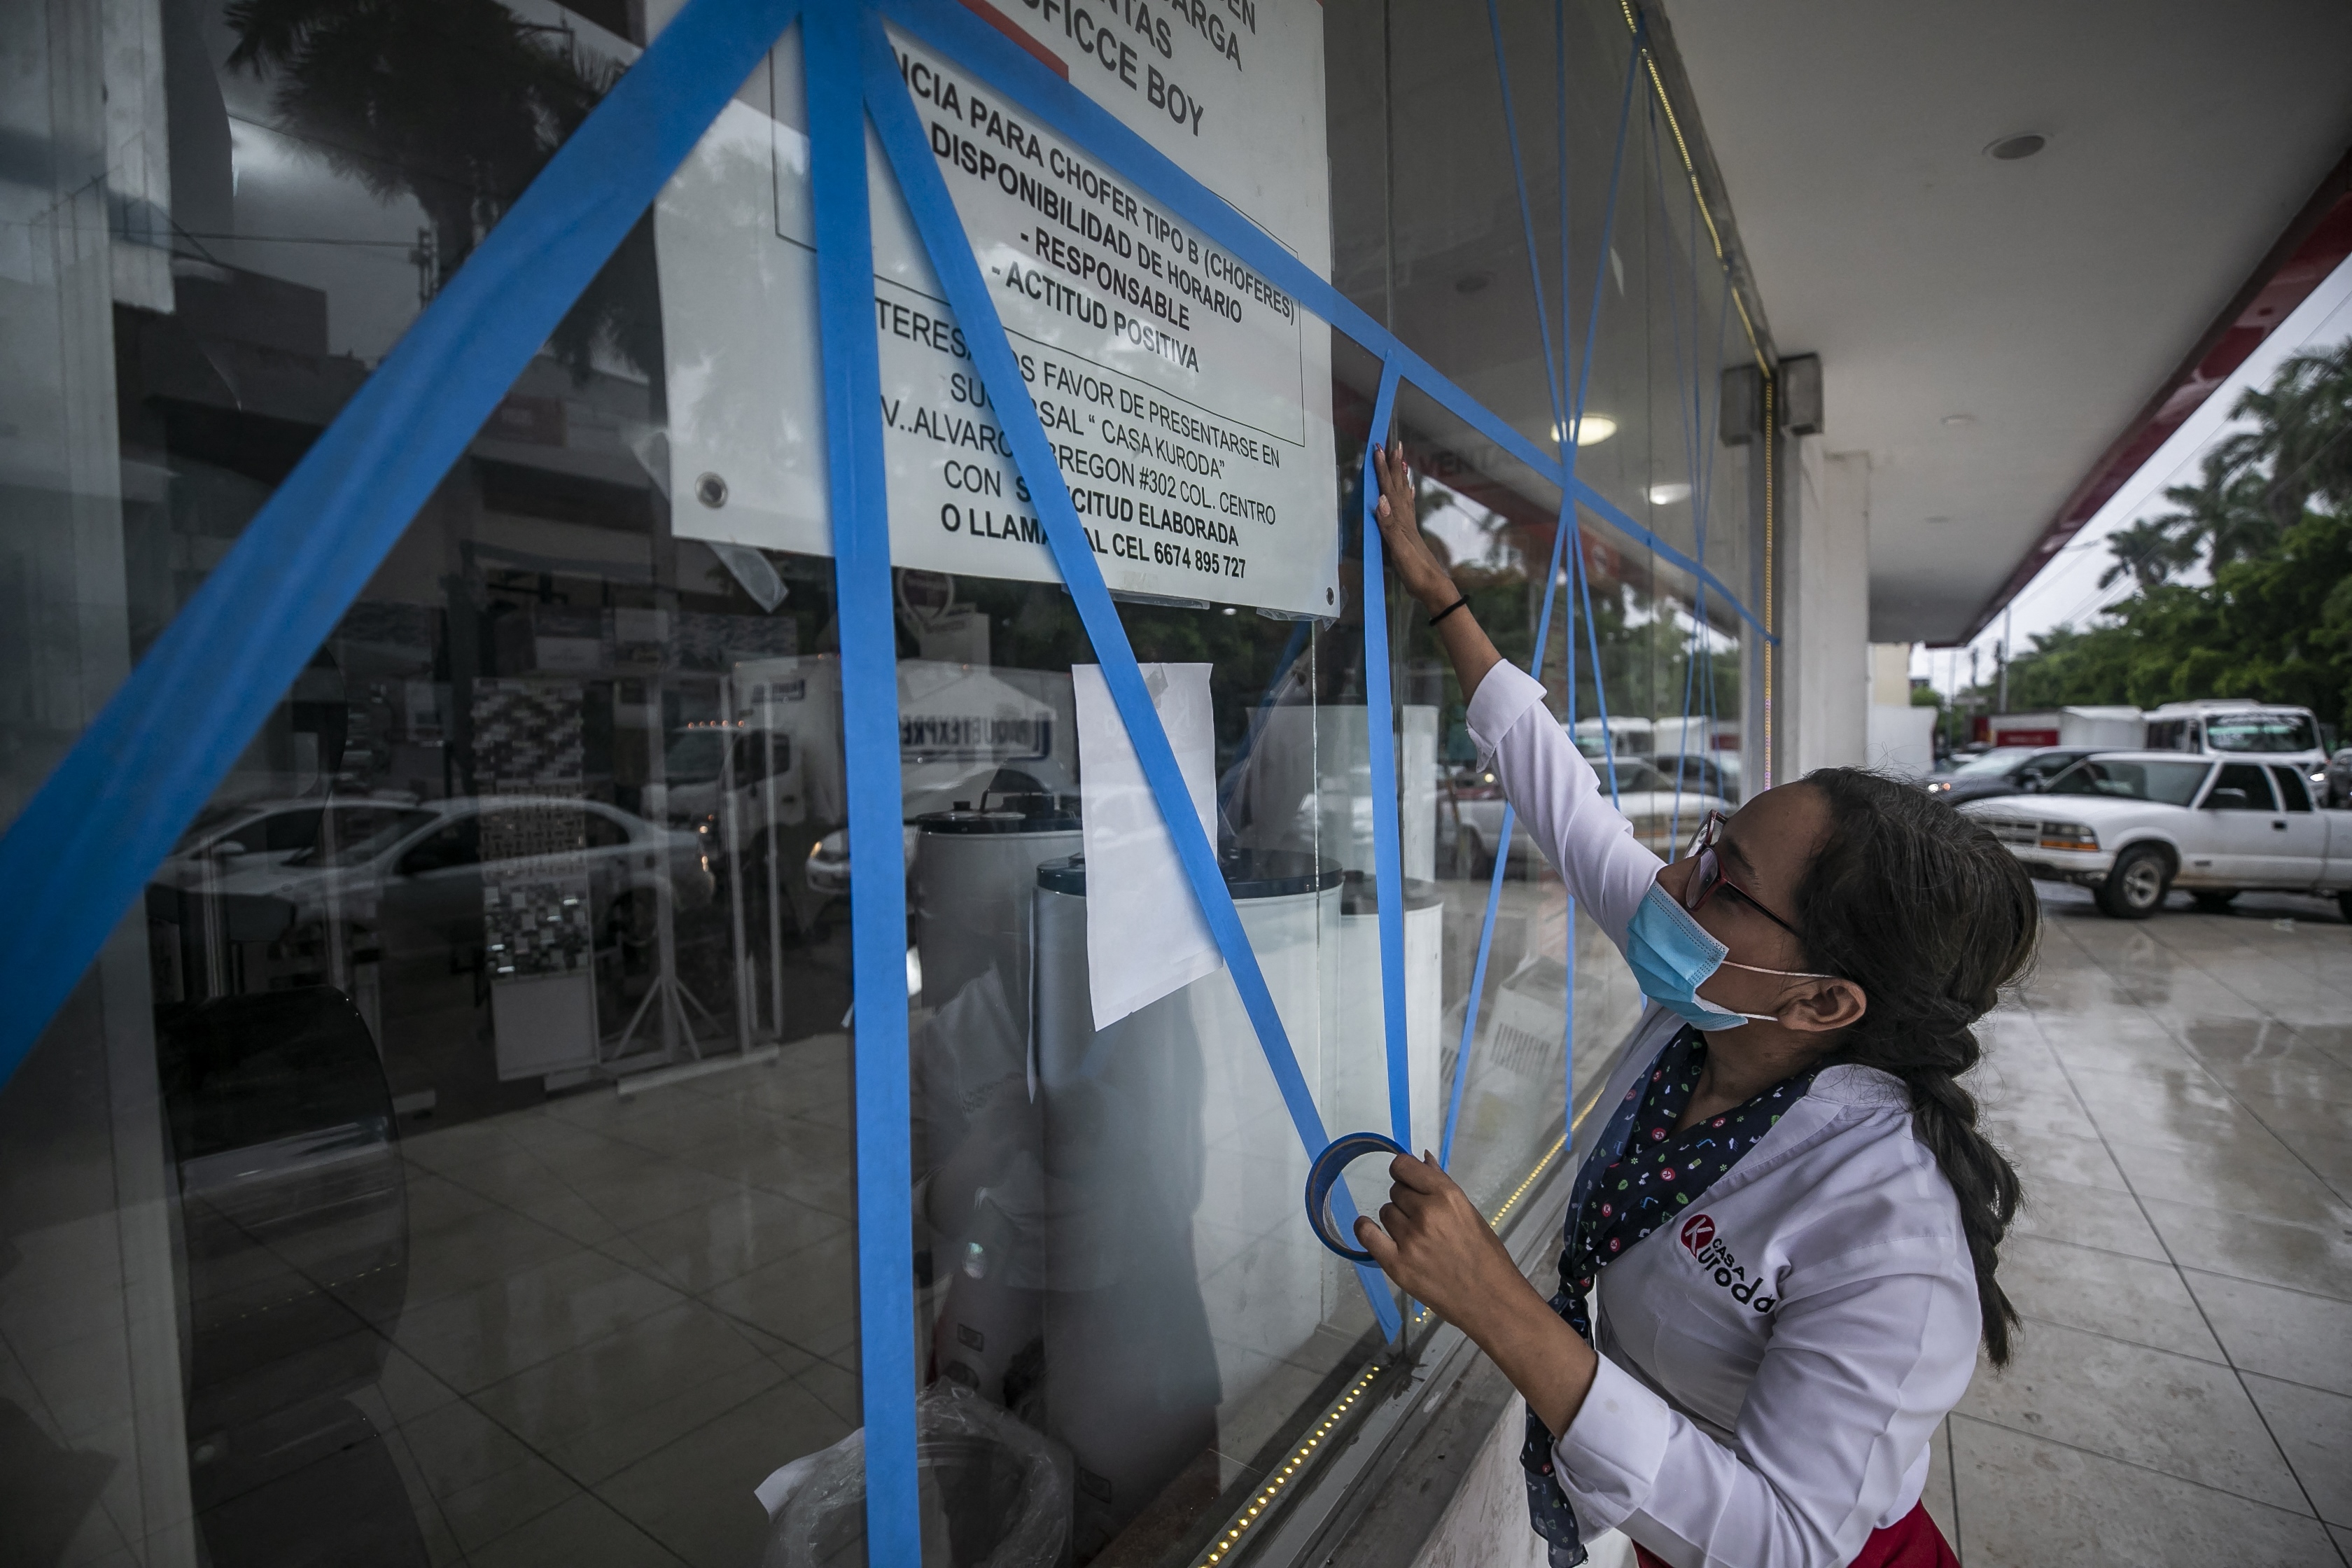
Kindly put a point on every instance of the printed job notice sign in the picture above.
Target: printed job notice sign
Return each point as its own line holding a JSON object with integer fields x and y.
{"x": 1187, "y": 398}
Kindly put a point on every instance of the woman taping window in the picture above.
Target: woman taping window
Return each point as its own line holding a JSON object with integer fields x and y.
{"x": 1780, "y": 1248}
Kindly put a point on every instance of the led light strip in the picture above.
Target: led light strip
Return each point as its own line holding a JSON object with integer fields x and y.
{"x": 1254, "y": 1509}
{"x": 1520, "y": 1191}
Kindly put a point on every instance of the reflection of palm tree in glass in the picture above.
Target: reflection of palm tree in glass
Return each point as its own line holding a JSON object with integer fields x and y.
{"x": 458, "y": 104}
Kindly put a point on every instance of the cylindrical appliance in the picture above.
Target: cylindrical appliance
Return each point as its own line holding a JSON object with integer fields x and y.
{"x": 978, "y": 1155}
{"x": 1182, "y": 1269}
{"x": 974, "y": 874}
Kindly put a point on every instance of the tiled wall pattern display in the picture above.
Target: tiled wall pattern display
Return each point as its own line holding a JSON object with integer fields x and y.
{"x": 535, "y": 885}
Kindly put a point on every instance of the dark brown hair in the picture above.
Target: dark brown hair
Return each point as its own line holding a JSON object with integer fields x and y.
{"x": 1926, "y": 912}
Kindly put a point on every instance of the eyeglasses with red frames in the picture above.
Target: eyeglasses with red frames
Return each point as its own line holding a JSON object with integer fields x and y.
{"x": 1708, "y": 878}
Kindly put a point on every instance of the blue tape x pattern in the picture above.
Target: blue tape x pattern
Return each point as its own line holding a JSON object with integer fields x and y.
{"x": 78, "y": 853}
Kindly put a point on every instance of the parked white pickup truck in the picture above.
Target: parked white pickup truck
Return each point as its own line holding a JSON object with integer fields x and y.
{"x": 2132, "y": 826}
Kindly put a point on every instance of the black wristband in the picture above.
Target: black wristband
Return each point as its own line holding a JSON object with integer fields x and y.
{"x": 1449, "y": 609}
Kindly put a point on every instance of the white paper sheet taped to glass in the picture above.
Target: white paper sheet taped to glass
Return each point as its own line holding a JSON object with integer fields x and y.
{"x": 1145, "y": 935}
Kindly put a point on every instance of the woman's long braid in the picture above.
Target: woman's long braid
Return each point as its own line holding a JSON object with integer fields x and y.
{"x": 1932, "y": 917}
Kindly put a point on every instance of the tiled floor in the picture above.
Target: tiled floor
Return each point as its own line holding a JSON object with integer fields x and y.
{"x": 621, "y": 1315}
{"x": 2176, "y": 1094}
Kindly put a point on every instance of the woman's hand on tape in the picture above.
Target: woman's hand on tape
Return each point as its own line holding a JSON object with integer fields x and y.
{"x": 1416, "y": 566}
{"x": 1435, "y": 1243}
{"x": 1424, "y": 576}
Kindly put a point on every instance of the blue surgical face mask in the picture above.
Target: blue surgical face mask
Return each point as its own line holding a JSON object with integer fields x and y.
{"x": 1673, "y": 955}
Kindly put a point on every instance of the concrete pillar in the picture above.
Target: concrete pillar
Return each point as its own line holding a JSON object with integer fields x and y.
{"x": 1826, "y": 644}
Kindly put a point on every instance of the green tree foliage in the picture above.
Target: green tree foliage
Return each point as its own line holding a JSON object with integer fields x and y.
{"x": 2270, "y": 519}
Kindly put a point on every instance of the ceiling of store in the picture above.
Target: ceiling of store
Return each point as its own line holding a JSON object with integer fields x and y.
{"x": 1988, "y": 329}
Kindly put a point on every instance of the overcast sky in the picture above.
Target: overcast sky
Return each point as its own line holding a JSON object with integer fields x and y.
{"x": 2067, "y": 590}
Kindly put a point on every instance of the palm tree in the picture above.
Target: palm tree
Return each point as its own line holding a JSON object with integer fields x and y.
{"x": 2224, "y": 513}
{"x": 456, "y": 104}
{"x": 2150, "y": 550}
{"x": 2307, "y": 431}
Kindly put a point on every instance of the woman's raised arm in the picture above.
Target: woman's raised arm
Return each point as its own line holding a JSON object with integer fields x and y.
{"x": 1546, "y": 780}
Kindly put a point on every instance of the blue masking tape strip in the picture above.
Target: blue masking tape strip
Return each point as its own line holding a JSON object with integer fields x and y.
{"x": 978, "y": 47}
{"x": 1266, "y": 702}
{"x": 858, "y": 491}
{"x": 1477, "y": 990}
{"x": 76, "y": 857}
{"x": 1527, "y": 223}
{"x": 1600, "y": 686}
{"x": 1387, "y": 864}
{"x": 1323, "y": 1182}
{"x": 958, "y": 273}
{"x": 1685, "y": 402}
{"x": 1601, "y": 271}
{"x": 1567, "y": 1008}
{"x": 1562, "y": 531}
{"x": 1584, "y": 382}
{"x": 1559, "y": 106}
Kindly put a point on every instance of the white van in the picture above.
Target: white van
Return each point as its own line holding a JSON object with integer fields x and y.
{"x": 2238, "y": 727}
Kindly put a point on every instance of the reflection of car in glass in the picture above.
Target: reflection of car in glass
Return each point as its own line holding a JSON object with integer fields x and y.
{"x": 2004, "y": 770}
{"x": 426, "y": 857}
{"x": 284, "y": 828}
{"x": 828, "y": 859}
{"x": 294, "y": 1227}
{"x": 967, "y": 733}
{"x": 2130, "y": 825}
{"x": 411, "y": 875}
{"x": 251, "y": 873}
{"x": 1718, "y": 775}
{"x": 1659, "y": 811}
{"x": 1627, "y": 734}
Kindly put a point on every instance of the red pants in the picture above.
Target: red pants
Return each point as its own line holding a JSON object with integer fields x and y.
{"x": 1911, "y": 1541}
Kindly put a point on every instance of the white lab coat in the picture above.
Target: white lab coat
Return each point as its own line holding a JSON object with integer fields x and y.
{"x": 1774, "y": 1365}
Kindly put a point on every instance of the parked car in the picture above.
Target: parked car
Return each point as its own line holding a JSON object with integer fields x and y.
{"x": 2336, "y": 780}
{"x": 2229, "y": 727}
{"x": 1662, "y": 815}
{"x": 2004, "y": 770}
{"x": 2132, "y": 826}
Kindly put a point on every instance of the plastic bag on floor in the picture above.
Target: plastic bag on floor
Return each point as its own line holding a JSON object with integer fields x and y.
{"x": 994, "y": 1494}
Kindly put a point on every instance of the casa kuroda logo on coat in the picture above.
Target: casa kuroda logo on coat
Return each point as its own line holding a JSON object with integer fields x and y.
{"x": 1699, "y": 1240}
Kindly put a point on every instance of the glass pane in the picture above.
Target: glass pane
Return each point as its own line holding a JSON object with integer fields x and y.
{"x": 451, "y": 1154}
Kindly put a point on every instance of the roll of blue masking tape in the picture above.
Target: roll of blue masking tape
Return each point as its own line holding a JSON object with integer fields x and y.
{"x": 1324, "y": 1174}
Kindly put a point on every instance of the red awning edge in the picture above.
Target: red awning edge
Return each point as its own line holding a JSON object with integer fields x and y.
{"x": 2319, "y": 237}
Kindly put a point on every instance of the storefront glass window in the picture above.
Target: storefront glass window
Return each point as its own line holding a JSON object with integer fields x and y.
{"x": 451, "y": 1156}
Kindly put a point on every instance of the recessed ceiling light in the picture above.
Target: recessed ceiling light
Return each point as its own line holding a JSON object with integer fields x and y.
{"x": 1959, "y": 421}
{"x": 1666, "y": 495}
{"x": 1594, "y": 429}
{"x": 1473, "y": 282}
{"x": 2010, "y": 149}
